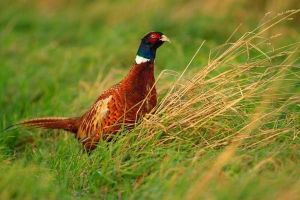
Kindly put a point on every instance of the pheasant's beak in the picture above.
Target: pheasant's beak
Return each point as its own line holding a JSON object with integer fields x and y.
{"x": 165, "y": 39}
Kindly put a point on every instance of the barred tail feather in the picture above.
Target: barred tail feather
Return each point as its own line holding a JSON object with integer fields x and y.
{"x": 68, "y": 124}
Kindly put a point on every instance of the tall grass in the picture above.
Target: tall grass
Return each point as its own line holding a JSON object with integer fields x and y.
{"x": 237, "y": 105}
{"x": 225, "y": 97}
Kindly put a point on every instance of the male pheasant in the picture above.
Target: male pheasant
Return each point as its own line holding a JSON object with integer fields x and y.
{"x": 121, "y": 105}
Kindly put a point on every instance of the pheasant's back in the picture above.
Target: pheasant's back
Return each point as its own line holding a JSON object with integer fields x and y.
{"x": 122, "y": 105}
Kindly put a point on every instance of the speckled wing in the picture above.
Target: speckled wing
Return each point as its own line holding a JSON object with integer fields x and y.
{"x": 92, "y": 123}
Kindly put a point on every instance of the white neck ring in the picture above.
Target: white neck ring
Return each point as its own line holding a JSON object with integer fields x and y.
{"x": 140, "y": 59}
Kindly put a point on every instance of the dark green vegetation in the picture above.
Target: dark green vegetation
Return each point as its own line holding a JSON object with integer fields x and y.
{"x": 57, "y": 56}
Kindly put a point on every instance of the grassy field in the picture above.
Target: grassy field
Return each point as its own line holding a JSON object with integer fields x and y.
{"x": 227, "y": 124}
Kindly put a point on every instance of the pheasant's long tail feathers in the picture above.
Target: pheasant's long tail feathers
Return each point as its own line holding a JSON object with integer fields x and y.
{"x": 68, "y": 124}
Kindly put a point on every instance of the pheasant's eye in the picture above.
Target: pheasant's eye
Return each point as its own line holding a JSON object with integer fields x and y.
{"x": 154, "y": 36}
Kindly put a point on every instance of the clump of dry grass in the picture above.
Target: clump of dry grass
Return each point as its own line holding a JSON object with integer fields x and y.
{"x": 238, "y": 97}
{"x": 241, "y": 99}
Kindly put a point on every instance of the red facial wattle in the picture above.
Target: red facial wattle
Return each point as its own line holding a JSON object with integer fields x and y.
{"x": 154, "y": 37}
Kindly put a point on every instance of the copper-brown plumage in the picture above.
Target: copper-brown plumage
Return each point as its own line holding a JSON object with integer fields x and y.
{"x": 121, "y": 105}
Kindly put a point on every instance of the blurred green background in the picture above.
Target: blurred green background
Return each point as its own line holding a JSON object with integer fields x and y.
{"x": 56, "y": 56}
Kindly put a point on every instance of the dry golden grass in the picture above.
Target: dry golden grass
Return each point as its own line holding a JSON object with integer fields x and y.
{"x": 228, "y": 103}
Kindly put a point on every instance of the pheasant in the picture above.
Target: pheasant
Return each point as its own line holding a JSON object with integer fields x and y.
{"x": 122, "y": 105}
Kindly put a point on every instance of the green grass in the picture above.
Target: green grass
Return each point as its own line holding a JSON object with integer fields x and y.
{"x": 56, "y": 57}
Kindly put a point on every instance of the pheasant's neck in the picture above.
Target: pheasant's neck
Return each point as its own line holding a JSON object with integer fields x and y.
{"x": 139, "y": 89}
{"x": 145, "y": 54}
{"x": 140, "y": 78}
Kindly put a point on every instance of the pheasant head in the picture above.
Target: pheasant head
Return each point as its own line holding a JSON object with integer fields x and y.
{"x": 149, "y": 44}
